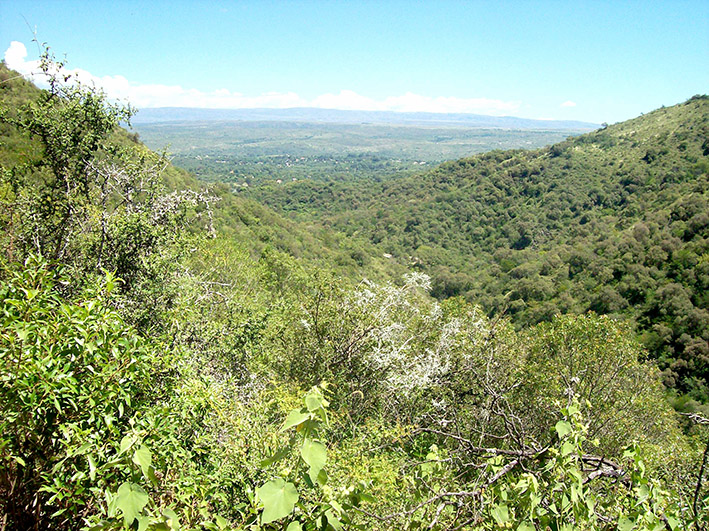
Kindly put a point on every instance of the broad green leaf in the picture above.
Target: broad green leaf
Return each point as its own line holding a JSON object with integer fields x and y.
{"x": 130, "y": 500}
{"x": 278, "y": 499}
{"x": 625, "y": 524}
{"x": 336, "y": 506}
{"x": 143, "y": 458}
{"x": 565, "y": 502}
{"x": 314, "y": 400}
{"x": 501, "y": 514}
{"x": 152, "y": 477}
{"x": 333, "y": 520}
{"x": 222, "y": 522}
{"x": 295, "y": 417}
{"x": 127, "y": 442}
{"x": 294, "y": 526}
{"x": 322, "y": 478}
{"x": 525, "y": 526}
{"x": 563, "y": 428}
{"x": 315, "y": 454}
{"x": 172, "y": 519}
{"x": 143, "y": 522}
{"x": 111, "y": 503}
{"x": 567, "y": 448}
{"x": 643, "y": 493}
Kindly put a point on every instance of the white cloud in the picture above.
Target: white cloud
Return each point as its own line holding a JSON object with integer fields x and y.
{"x": 157, "y": 95}
{"x": 568, "y": 103}
{"x": 15, "y": 58}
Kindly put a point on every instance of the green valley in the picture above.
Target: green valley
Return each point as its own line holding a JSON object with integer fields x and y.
{"x": 494, "y": 343}
{"x": 614, "y": 221}
{"x": 248, "y": 153}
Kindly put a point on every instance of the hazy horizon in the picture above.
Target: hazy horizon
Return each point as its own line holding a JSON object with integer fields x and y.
{"x": 583, "y": 61}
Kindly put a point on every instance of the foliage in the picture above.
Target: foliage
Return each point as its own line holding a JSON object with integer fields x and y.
{"x": 596, "y": 360}
{"x": 152, "y": 377}
{"x": 84, "y": 199}
{"x": 280, "y": 497}
{"x": 71, "y": 375}
{"x": 558, "y": 491}
{"x": 613, "y": 221}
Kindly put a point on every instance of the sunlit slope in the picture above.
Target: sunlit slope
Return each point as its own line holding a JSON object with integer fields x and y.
{"x": 251, "y": 225}
{"x": 614, "y": 221}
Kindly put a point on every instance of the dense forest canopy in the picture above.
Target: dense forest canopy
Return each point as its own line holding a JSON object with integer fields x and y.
{"x": 615, "y": 221}
{"x": 175, "y": 357}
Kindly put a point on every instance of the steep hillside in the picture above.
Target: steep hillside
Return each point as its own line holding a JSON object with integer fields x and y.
{"x": 252, "y": 225}
{"x": 172, "y": 356}
{"x": 615, "y": 221}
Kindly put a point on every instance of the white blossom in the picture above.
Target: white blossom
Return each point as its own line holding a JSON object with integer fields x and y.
{"x": 412, "y": 344}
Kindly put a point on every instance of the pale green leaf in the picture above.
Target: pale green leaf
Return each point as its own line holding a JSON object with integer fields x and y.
{"x": 130, "y": 500}
{"x": 143, "y": 458}
{"x": 333, "y": 520}
{"x": 314, "y": 454}
{"x": 92, "y": 468}
{"x": 127, "y": 442}
{"x": 563, "y": 428}
{"x": 322, "y": 478}
{"x": 278, "y": 499}
{"x": 294, "y": 526}
{"x": 222, "y": 522}
{"x": 111, "y": 503}
{"x": 567, "y": 448}
{"x": 314, "y": 400}
{"x": 143, "y": 522}
{"x": 501, "y": 514}
{"x": 336, "y": 506}
{"x": 295, "y": 417}
{"x": 172, "y": 519}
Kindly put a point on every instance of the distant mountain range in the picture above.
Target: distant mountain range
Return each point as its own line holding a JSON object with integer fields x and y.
{"x": 308, "y": 114}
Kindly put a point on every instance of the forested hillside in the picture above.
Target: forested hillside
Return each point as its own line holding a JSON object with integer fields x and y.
{"x": 253, "y": 225}
{"x": 615, "y": 221}
{"x": 174, "y": 357}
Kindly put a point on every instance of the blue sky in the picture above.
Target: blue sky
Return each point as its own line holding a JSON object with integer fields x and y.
{"x": 599, "y": 61}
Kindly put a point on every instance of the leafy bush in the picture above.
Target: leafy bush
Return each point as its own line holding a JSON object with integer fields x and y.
{"x": 72, "y": 376}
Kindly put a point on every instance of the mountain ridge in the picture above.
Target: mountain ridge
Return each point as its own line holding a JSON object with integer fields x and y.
{"x": 313, "y": 114}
